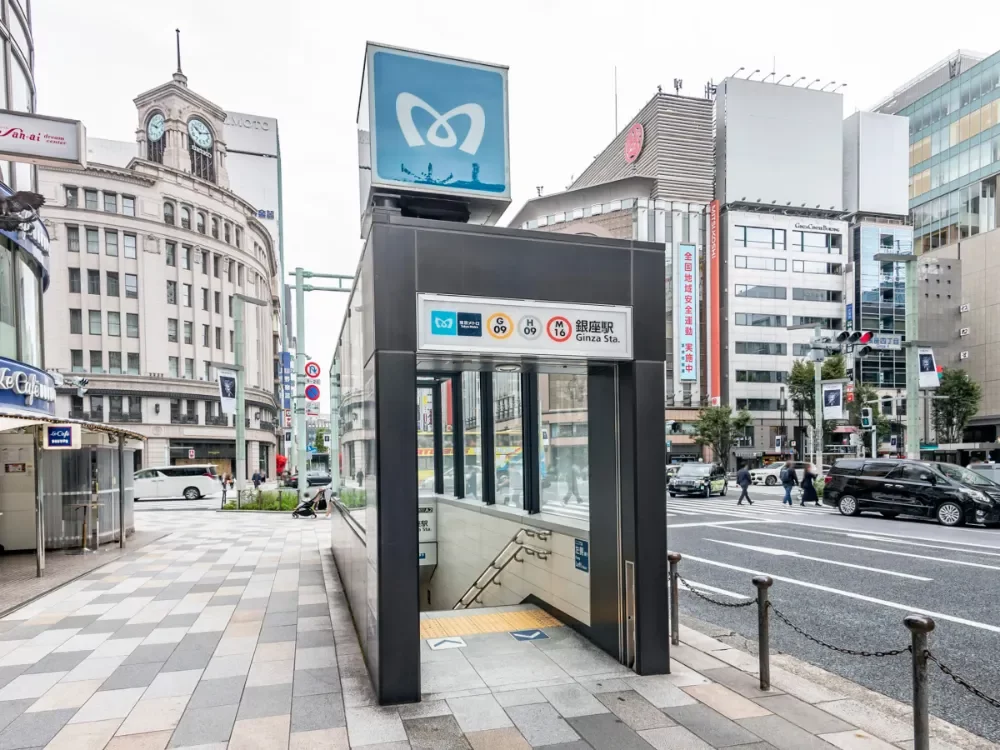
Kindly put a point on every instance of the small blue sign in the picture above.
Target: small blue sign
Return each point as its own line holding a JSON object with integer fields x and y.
{"x": 58, "y": 436}
{"x": 581, "y": 554}
{"x": 850, "y": 316}
{"x": 470, "y": 324}
{"x": 438, "y": 124}
{"x": 444, "y": 323}
{"x": 528, "y": 635}
{"x": 26, "y": 389}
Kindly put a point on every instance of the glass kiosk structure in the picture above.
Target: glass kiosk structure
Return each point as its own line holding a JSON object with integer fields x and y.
{"x": 514, "y": 378}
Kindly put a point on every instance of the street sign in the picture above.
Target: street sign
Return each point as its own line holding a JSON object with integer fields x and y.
{"x": 312, "y": 392}
{"x": 62, "y": 437}
{"x": 312, "y": 408}
{"x": 312, "y": 369}
{"x": 581, "y": 555}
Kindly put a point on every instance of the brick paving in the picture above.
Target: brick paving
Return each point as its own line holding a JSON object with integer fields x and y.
{"x": 232, "y": 632}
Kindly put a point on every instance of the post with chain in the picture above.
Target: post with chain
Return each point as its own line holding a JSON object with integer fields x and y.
{"x": 919, "y": 627}
{"x": 675, "y": 615}
{"x": 763, "y": 583}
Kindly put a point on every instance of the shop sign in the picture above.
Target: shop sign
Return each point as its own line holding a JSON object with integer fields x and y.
{"x": 686, "y": 313}
{"x": 25, "y": 388}
{"x": 63, "y": 437}
{"x": 448, "y": 323}
{"x": 46, "y": 141}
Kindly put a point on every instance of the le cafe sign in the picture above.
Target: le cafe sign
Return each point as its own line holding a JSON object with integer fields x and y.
{"x": 26, "y": 384}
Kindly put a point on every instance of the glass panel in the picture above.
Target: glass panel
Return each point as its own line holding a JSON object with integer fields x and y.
{"x": 563, "y": 458}
{"x": 472, "y": 435}
{"x": 425, "y": 441}
{"x": 31, "y": 310}
{"x": 8, "y": 318}
{"x": 20, "y": 89}
{"x": 508, "y": 439}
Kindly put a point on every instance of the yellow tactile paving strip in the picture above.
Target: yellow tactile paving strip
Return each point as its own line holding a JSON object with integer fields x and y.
{"x": 494, "y": 622}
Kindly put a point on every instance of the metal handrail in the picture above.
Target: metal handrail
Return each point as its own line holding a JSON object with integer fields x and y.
{"x": 507, "y": 555}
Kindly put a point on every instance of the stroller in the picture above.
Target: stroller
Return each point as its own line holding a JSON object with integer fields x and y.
{"x": 309, "y": 505}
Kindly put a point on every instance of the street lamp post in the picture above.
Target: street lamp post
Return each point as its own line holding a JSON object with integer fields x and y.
{"x": 781, "y": 404}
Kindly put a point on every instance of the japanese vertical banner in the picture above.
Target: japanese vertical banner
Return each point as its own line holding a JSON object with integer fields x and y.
{"x": 714, "y": 306}
{"x": 686, "y": 313}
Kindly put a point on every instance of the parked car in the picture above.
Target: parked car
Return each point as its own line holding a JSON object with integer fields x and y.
{"x": 905, "y": 487}
{"x": 314, "y": 478}
{"x": 191, "y": 482}
{"x": 770, "y": 475}
{"x": 699, "y": 479}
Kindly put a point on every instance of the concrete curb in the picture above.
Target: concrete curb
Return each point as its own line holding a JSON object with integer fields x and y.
{"x": 885, "y": 718}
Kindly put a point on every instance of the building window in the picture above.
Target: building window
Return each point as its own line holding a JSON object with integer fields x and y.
{"x": 813, "y": 266}
{"x": 800, "y": 350}
{"x": 216, "y": 266}
{"x": 115, "y": 363}
{"x": 128, "y": 205}
{"x": 168, "y": 213}
{"x": 72, "y": 197}
{"x": 206, "y": 333}
{"x": 132, "y": 325}
{"x": 218, "y": 337}
{"x": 172, "y": 330}
{"x": 761, "y": 347}
{"x": 200, "y": 223}
{"x": 830, "y": 324}
{"x": 130, "y": 246}
{"x": 93, "y": 281}
{"x": 188, "y": 332}
{"x": 111, "y": 203}
{"x": 239, "y": 275}
{"x": 171, "y": 292}
{"x": 760, "y": 319}
{"x": 135, "y": 407}
{"x": 204, "y": 262}
{"x": 761, "y": 376}
{"x": 76, "y": 360}
{"x": 227, "y": 229}
{"x": 817, "y": 242}
{"x": 186, "y": 295}
{"x": 96, "y": 360}
{"x": 204, "y": 299}
{"x": 186, "y": 257}
{"x": 218, "y": 302}
{"x": 131, "y": 286}
{"x": 762, "y": 238}
{"x": 73, "y": 239}
{"x": 817, "y": 295}
{"x": 758, "y": 404}
{"x": 230, "y": 305}
{"x": 173, "y": 364}
{"x": 215, "y": 227}
{"x": 189, "y": 368}
{"x": 171, "y": 253}
{"x": 185, "y": 218}
{"x": 74, "y": 280}
{"x": 229, "y": 270}
{"x": 94, "y": 322}
{"x": 232, "y": 340}
{"x": 111, "y": 243}
{"x": 114, "y": 324}
{"x": 90, "y": 199}
{"x": 112, "y": 284}
{"x": 75, "y": 321}
{"x": 208, "y": 376}
{"x": 133, "y": 363}
{"x": 93, "y": 241}
{"x": 239, "y": 237}
{"x": 757, "y": 291}
{"x": 761, "y": 264}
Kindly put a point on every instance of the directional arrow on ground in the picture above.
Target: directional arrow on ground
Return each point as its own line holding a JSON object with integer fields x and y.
{"x": 439, "y": 644}
{"x": 528, "y": 635}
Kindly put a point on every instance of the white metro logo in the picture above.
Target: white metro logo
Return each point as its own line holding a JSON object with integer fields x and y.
{"x": 406, "y": 102}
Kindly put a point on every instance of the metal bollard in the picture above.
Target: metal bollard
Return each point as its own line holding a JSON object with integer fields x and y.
{"x": 919, "y": 626}
{"x": 675, "y": 615}
{"x": 763, "y": 583}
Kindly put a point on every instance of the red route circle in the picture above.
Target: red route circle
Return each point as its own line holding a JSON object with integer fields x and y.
{"x": 569, "y": 329}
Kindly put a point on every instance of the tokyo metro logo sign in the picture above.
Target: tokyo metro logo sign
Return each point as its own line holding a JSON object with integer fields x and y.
{"x": 406, "y": 102}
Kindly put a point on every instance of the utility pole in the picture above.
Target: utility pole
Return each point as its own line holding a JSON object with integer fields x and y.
{"x": 818, "y": 402}
{"x": 913, "y": 415}
{"x": 301, "y": 288}
{"x": 239, "y": 354}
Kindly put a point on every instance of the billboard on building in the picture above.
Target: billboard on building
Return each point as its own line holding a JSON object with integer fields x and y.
{"x": 714, "y": 307}
{"x": 251, "y": 134}
{"x": 876, "y": 164}
{"x": 686, "y": 313}
{"x": 41, "y": 140}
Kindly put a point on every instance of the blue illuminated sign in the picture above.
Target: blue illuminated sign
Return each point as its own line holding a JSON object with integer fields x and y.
{"x": 58, "y": 436}
{"x": 286, "y": 379}
{"x": 444, "y": 323}
{"x": 26, "y": 389}
{"x": 438, "y": 124}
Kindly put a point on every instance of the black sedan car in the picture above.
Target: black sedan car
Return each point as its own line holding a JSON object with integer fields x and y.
{"x": 698, "y": 479}
{"x": 314, "y": 478}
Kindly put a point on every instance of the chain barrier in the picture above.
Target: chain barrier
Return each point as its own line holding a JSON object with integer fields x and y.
{"x": 700, "y": 595}
{"x": 848, "y": 651}
{"x": 959, "y": 681}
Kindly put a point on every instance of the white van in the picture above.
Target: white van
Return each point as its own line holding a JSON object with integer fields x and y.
{"x": 190, "y": 482}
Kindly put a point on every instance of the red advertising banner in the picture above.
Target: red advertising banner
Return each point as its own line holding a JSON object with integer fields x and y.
{"x": 715, "y": 312}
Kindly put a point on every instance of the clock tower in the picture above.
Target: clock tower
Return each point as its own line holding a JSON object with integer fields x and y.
{"x": 182, "y": 130}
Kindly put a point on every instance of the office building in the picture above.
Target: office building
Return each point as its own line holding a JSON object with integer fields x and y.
{"x": 653, "y": 182}
{"x": 147, "y": 260}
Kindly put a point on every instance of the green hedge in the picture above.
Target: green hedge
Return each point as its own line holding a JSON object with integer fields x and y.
{"x": 277, "y": 500}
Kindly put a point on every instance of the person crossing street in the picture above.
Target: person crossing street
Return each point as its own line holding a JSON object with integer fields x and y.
{"x": 789, "y": 479}
{"x": 743, "y": 480}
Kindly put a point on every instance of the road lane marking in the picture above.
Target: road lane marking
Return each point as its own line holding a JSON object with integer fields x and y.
{"x": 872, "y": 549}
{"x": 715, "y": 523}
{"x": 898, "y": 537}
{"x": 713, "y": 589}
{"x": 904, "y": 540}
{"x": 851, "y": 595}
{"x": 796, "y": 555}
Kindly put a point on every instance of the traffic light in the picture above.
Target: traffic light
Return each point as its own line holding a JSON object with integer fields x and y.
{"x": 867, "y": 418}
{"x": 851, "y": 339}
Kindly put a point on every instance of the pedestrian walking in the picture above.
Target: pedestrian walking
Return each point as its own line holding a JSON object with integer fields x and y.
{"x": 256, "y": 479}
{"x": 809, "y": 478}
{"x": 744, "y": 481}
{"x": 224, "y": 478}
{"x": 571, "y": 480}
{"x": 788, "y": 480}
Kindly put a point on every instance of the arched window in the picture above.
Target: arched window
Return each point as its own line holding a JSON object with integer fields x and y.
{"x": 228, "y": 231}
{"x": 156, "y": 137}
{"x": 168, "y": 213}
{"x": 185, "y": 217}
{"x": 215, "y": 227}
{"x": 201, "y": 143}
{"x": 239, "y": 237}
{"x": 201, "y": 223}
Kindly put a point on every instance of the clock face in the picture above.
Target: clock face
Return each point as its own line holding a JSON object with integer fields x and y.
{"x": 200, "y": 134}
{"x": 155, "y": 128}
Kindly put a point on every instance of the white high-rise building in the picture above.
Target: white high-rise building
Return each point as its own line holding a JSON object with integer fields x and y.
{"x": 146, "y": 257}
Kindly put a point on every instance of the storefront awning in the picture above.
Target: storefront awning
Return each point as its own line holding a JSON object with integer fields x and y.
{"x": 12, "y": 421}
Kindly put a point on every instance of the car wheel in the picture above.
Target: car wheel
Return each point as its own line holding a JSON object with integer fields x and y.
{"x": 708, "y": 491}
{"x": 950, "y": 514}
{"x": 191, "y": 493}
{"x": 848, "y": 506}
{"x": 673, "y": 494}
{"x": 771, "y": 481}
{"x": 888, "y": 514}
{"x": 725, "y": 489}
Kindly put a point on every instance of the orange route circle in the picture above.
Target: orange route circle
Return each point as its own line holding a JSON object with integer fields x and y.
{"x": 500, "y": 325}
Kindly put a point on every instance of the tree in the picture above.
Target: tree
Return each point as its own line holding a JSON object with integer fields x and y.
{"x": 957, "y": 401}
{"x": 802, "y": 383}
{"x": 318, "y": 441}
{"x": 718, "y": 429}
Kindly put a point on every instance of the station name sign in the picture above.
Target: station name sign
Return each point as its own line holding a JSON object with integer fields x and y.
{"x": 448, "y": 323}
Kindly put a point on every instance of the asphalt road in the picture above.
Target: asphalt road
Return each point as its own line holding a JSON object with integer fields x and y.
{"x": 849, "y": 581}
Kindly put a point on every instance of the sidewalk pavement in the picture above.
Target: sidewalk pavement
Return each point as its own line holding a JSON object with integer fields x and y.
{"x": 233, "y": 632}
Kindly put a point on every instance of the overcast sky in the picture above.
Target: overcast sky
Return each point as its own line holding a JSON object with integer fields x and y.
{"x": 300, "y": 61}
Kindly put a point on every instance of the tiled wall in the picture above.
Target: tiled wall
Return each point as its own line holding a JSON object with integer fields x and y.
{"x": 468, "y": 540}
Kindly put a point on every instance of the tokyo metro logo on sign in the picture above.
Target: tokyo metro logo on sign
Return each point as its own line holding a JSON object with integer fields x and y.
{"x": 444, "y": 323}
{"x": 405, "y": 104}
